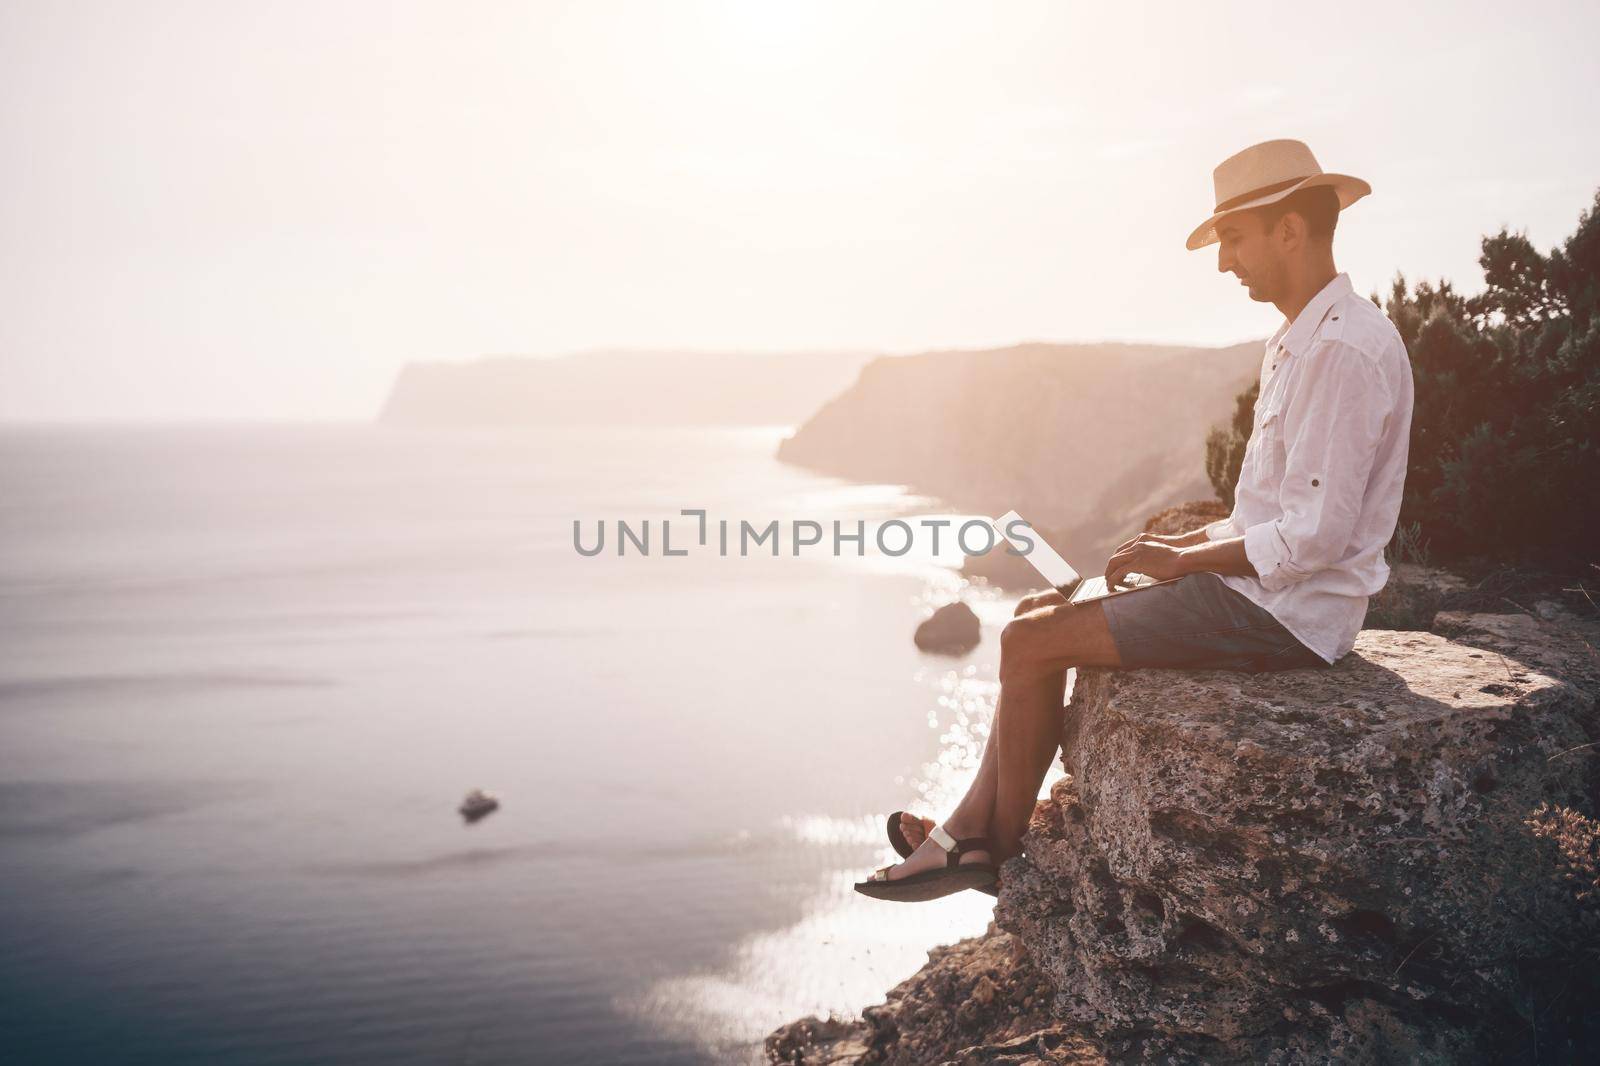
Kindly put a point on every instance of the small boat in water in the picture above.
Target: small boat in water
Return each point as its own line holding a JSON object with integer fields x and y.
{"x": 478, "y": 804}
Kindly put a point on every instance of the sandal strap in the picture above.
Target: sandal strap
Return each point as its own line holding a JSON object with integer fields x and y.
{"x": 954, "y": 848}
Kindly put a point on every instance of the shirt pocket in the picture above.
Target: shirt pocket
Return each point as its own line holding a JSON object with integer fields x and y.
{"x": 1266, "y": 459}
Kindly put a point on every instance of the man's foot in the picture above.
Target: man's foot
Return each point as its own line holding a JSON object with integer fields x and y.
{"x": 928, "y": 855}
{"x": 915, "y": 828}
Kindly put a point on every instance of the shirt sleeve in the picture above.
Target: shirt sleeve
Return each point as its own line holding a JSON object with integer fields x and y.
{"x": 1222, "y": 529}
{"x": 1332, "y": 426}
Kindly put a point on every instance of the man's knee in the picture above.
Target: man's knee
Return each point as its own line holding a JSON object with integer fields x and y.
{"x": 1027, "y": 646}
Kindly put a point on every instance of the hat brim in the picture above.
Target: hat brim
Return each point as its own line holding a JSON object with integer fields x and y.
{"x": 1349, "y": 189}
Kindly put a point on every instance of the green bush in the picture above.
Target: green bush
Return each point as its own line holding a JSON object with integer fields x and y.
{"x": 1505, "y": 462}
{"x": 1225, "y": 445}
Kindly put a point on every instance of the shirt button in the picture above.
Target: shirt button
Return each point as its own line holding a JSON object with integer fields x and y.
{"x": 1316, "y": 483}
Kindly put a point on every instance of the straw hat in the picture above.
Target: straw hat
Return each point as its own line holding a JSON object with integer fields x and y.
{"x": 1264, "y": 174}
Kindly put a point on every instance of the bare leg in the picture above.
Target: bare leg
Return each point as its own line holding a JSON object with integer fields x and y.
{"x": 976, "y": 808}
{"x": 974, "y": 811}
{"x": 1036, "y": 650}
{"x": 1028, "y": 739}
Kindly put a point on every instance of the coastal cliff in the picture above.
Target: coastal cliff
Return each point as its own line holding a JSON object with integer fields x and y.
{"x": 1083, "y": 440}
{"x": 1352, "y": 864}
{"x": 620, "y": 388}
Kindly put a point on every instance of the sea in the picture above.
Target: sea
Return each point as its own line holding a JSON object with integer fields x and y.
{"x": 248, "y": 672}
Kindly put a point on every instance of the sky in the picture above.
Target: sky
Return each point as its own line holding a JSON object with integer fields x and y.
{"x": 224, "y": 210}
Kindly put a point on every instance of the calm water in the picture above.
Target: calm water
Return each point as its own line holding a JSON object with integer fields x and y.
{"x": 247, "y": 673}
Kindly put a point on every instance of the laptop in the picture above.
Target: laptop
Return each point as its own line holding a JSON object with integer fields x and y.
{"x": 1058, "y": 572}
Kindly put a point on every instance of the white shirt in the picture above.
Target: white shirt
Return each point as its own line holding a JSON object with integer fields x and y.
{"x": 1319, "y": 492}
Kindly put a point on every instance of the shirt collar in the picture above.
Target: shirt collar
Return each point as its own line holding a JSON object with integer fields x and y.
{"x": 1296, "y": 336}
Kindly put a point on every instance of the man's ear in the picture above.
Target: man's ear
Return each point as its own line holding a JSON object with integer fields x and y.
{"x": 1290, "y": 230}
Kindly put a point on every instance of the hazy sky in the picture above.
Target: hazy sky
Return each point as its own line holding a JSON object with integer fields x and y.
{"x": 262, "y": 210}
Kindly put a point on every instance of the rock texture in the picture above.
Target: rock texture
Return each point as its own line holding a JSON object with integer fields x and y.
{"x": 1309, "y": 866}
{"x": 1323, "y": 863}
{"x": 1186, "y": 516}
{"x": 977, "y": 1001}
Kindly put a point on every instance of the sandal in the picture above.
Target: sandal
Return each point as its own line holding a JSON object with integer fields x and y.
{"x": 931, "y": 884}
{"x": 903, "y": 848}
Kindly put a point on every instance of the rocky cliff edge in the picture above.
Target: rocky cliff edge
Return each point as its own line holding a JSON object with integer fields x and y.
{"x": 1308, "y": 866}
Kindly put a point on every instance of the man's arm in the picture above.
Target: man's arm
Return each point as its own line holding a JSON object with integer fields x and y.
{"x": 1199, "y": 541}
{"x": 1178, "y": 540}
{"x": 1166, "y": 558}
{"x": 1225, "y": 556}
{"x": 1184, "y": 540}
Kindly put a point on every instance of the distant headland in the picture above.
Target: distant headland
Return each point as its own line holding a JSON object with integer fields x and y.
{"x": 1084, "y": 440}
{"x": 621, "y": 388}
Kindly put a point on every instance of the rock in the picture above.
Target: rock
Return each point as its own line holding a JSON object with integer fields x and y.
{"x": 966, "y": 1006}
{"x": 817, "y": 1042}
{"x": 1186, "y": 516}
{"x": 1440, "y": 582}
{"x": 1311, "y": 865}
{"x": 1410, "y": 599}
{"x": 1565, "y": 645}
{"x": 951, "y": 630}
{"x": 1335, "y": 865}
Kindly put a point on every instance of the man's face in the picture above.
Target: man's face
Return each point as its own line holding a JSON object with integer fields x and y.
{"x": 1246, "y": 249}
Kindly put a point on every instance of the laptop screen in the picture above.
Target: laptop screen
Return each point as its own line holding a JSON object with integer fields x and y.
{"x": 1050, "y": 565}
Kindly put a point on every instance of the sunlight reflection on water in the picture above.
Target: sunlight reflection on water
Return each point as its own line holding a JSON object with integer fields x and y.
{"x": 845, "y": 952}
{"x": 240, "y": 711}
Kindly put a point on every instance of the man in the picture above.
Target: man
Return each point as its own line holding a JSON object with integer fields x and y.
{"x": 1282, "y": 582}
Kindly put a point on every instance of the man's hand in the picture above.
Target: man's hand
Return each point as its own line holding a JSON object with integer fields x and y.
{"x": 1149, "y": 554}
{"x": 1168, "y": 557}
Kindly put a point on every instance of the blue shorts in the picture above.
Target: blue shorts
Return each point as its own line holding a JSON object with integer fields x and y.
{"x": 1199, "y": 623}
